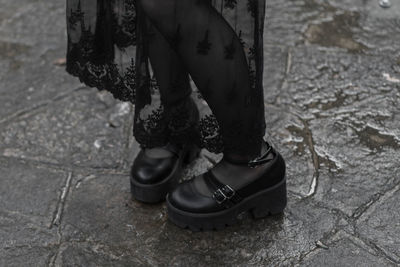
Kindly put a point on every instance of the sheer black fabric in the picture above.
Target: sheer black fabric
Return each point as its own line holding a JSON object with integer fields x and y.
{"x": 192, "y": 68}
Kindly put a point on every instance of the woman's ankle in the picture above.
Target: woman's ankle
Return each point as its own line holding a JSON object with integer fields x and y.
{"x": 238, "y": 158}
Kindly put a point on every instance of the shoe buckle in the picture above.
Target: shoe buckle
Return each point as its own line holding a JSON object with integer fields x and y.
{"x": 223, "y": 193}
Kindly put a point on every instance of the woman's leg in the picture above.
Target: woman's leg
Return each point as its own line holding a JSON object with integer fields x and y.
{"x": 172, "y": 78}
{"x": 157, "y": 168}
{"x": 212, "y": 53}
{"x": 178, "y": 113}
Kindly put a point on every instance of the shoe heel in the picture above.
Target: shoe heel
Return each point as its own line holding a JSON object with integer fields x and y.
{"x": 270, "y": 203}
{"x": 192, "y": 153}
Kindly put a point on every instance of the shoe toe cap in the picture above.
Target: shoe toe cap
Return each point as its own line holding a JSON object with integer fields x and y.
{"x": 152, "y": 172}
{"x": 185, "y": 197}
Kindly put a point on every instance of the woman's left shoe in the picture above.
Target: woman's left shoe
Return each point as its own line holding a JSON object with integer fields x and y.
{"x": 206, "y": 203}
{"x": 152, "y": 178}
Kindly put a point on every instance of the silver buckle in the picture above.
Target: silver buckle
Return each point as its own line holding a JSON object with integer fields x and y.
{"x": 228, "y": 191}
{"x": 220, "y": 196}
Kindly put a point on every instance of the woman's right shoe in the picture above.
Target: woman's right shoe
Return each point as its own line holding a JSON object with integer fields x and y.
{"x": 207, "y": 203}
{"x": 153, "y": 177}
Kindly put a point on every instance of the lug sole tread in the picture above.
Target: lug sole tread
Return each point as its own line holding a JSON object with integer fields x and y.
{"x": 225, "y": 218}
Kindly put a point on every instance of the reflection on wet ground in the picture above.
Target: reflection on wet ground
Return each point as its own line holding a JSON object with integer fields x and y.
{"x": 11, "y": 51}
{"x": 375, "y": 140}
{"x": 336, "y": 33}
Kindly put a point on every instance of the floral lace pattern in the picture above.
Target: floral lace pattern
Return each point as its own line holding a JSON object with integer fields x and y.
{"x": 106, "y": 51}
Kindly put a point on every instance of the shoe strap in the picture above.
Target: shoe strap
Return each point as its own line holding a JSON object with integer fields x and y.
{"x": 261, "y": 159}
{"x": 223, "y": 194}
{"x": 254, "y": 162}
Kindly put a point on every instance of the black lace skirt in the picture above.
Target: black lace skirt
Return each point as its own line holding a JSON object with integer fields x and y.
{"x": 106, "y": 50}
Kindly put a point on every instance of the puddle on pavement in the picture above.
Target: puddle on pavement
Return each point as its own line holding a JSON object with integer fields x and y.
{"x": 296, "y": 131}
{"x": 10, "y": 51}
{"x": 323, "y": 159}
{"x": 337, "y": 32}
{"x": 373, "y": 139}
{"x": 331, "y": 164}
{"x": 326, "y": 104}
{"x": 315, "y": 8}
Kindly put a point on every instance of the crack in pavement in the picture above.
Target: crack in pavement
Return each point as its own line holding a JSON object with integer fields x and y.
{"x": 128, "y": 132}
{"x": 70, "y": 167}
{"x": 24, "y": 113}
{"x": 368, "y": 243}
{"x": 58, "y": 216}
{"x": 56, "y": 221}
{"x": 314, "y": 158}
{"x": 287, "y": 69}
{"x": 362, "y": 209}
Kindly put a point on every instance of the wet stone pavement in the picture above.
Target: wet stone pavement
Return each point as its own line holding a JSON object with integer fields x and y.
{"x": 332, "y": 87}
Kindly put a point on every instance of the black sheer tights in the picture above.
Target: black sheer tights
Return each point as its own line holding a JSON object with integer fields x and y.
{"x": 191, "y": 37}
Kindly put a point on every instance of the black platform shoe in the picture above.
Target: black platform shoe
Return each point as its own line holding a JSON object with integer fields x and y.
{"x": 205, "y": 203}
{"x": 152, "y": 178}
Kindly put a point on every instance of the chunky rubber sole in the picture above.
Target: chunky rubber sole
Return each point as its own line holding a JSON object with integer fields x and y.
{"x": 267, "y": 202}
{"x": 155, "y": 193}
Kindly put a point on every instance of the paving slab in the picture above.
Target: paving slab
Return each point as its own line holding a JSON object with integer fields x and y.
{"x": 347, "y": 115}
{"x": 29, "y": 197}
{"x": 26, "y": 257}
{"x": 81, "y": 129}
{"x": 29, "y": 190}
{"x": 344, "y": 251}
{"x": 381, "y": 223}
{"x": 32, "y": 35}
